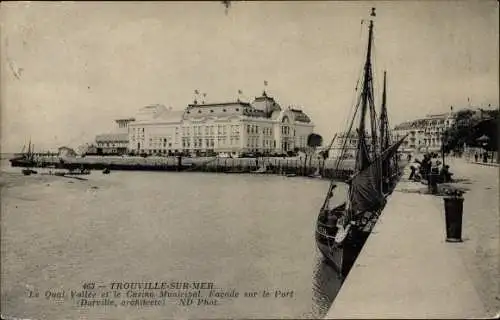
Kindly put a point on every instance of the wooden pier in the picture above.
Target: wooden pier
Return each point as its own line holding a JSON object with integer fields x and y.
{"x": 280, "y": 166}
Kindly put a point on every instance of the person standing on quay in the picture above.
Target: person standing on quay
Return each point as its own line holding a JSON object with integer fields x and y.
{"x": 476, "y": 156}
{"x": 433, "y": 173}
{"x": 413, "y": 171}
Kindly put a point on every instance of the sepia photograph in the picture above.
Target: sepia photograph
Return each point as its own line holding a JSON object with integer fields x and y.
{"x": 249, "y": 160}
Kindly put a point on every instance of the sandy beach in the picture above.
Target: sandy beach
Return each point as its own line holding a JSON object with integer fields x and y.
{"x": 59, "y": 233}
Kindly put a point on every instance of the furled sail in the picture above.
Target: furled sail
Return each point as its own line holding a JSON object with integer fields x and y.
{"x": 365, "y": 193}
{"x": 362, "y": 157}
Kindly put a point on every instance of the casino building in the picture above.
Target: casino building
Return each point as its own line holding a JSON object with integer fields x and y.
{"x": 230, "y": 128}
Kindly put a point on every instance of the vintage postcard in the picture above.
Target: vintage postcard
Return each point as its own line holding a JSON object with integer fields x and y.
{"x": 249, "y": 159}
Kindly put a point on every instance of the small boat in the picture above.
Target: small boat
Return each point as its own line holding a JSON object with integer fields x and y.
{"x": 315, "y": 175}
{"x": 79, "y": 172}
{"x": 106, "y": 171}
{"x": 237, "y": 171}
{"x": 24, "y": 159}
{"x": 262, "y": 169}
{"x": 28, "y": 172}
{"x": 291, "y": 175}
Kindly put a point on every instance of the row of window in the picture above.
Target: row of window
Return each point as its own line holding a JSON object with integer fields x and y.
{"x": 112, "y": 144}
{"x": 285, "y": 130}
{"x": 198, "y": 130}
{"x": 255, "y": 129}
{"x": 266, "y": 143}
{"x": 212, "y": 110}
{"x": 160, "y": 145}
{"x": 210, "y": 142}
{"x": 210, "y": 130}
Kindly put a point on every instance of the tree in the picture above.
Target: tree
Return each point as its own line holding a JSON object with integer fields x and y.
{"x": 469, "y": 126}
{"x": 314, "y": 141}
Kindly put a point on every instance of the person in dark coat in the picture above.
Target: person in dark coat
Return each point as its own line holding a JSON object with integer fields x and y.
{"x": 445, "y": 174}
{"x": 412, "y": 173}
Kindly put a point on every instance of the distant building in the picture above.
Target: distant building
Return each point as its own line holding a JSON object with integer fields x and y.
{"x": 156, "y": 130}
{"x": 348, "y": 143}
{"x": 219, "y": 128}
{"x": 116, "y": 142}
{"x": 426, "y": 134}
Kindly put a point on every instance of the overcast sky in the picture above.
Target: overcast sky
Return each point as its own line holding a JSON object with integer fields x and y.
{"x": 69, "y": 69}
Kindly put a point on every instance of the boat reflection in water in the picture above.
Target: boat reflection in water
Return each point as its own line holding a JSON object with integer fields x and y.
{"x": 326, "y": 285}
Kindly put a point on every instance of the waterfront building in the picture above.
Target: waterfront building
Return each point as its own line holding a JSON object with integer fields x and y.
{"x": 231, "y": 128}
{"x": 425, "y": 134}
{"x": 348, "y": 143}
{"x": 116, "y": 142}
{"x": 156, "y": 130}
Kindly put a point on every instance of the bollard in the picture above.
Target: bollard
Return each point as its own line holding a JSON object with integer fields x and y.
{"x": 453, "y": 207}
{"x": 432, "y": 181}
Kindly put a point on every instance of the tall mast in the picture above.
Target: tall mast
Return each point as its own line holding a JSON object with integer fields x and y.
{"x": 366, "y": 99}
{"x": 384, "y": 130}
{"x": 384, "y": 125}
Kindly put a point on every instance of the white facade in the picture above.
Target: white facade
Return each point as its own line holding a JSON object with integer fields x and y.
{"x": 156, "y": 130}
{"x": 231, "y": 127}
{"x": 116, "y": 142}
{"x": 347, "y": 142}
{"x": 425, "y": 134}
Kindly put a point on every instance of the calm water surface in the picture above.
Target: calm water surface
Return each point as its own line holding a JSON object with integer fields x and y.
{"x": 246, "y": 232}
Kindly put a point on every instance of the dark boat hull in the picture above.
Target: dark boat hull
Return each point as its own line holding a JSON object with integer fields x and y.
{"x": 22, "y": 163}
{"x": 28, "y": 172}
{"x": 237, "y": 171}
{"x": 333, "y": 255}
{"x": 341, "y": 256}
{"x": 78, "y": 173}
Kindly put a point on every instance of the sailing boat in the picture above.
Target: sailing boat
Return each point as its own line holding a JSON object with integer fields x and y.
{"x": 26, "y": 160}
{"x": 341, "y": 231}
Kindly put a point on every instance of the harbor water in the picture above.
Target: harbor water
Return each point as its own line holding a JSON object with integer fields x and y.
{"x": 241, "y": 232}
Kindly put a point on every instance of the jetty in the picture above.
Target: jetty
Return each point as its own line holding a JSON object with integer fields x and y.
{"x": 406, "y": 268}
{"x": 268, "y": 165}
